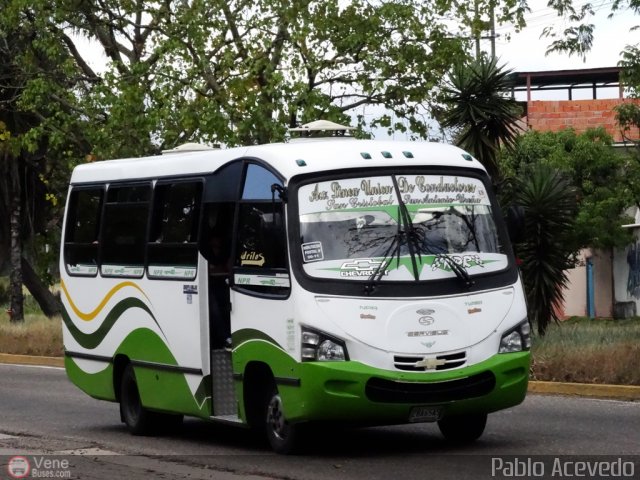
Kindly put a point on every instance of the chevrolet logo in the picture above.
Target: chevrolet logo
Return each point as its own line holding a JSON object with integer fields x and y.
{"x": 430, "y": 363}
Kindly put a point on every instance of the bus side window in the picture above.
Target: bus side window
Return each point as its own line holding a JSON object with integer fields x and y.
{"x": 173, "y": 240}
{"x": 261, "y": 249}
{"x": 82, "y": 231}
{"x": 124, "y": 230}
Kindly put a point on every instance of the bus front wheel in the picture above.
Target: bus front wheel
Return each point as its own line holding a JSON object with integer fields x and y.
{"x": 463, "y": 428}
{"x": 138, "y": 419}
{"x": 282, "y": 435}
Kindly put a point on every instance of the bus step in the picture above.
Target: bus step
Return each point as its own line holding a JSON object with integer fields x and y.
{"x": 224, "y": 393}
{"x": 230, "y": 419}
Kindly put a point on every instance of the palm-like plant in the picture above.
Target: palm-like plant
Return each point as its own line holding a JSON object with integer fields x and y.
{"x": 480, "y": 109}
{"x": 550, "y": 208}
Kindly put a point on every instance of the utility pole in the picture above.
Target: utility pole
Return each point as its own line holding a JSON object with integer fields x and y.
{"x": 492, "y": 27}
{"x": 478, "y": 27}
{"x": 477, "y": 32}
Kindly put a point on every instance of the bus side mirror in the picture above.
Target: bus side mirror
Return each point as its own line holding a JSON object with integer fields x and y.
{"x": 515, "y": 223}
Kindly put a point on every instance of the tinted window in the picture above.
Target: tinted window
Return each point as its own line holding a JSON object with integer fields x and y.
{"x": 124, "y": 230}
{"x": 174, "y": 230}
{"x": 261, "y": 251}
{"x": 82, "y": 231}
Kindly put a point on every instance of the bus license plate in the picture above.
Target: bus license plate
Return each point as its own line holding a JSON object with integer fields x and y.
{"x": 425, "y": 414}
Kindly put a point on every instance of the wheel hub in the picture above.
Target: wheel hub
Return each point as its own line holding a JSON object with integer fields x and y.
{"x": 275, "y": 417}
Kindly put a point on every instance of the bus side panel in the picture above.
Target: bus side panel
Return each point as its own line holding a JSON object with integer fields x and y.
{"x": 98, "y": 385}
{"x": 148, "y": 322}
{"x": 263, "y": 331}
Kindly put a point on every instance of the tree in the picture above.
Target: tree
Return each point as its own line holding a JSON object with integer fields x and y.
{"x": 578, "y": 34}
{"x": 32, "y": 72}
{"x": 479, "y": 108}
{"x": 231, "y": 72}
{"x": 549, "y": 203}
{"x": 597, "y": 175}
{"x": 574, "y": 188}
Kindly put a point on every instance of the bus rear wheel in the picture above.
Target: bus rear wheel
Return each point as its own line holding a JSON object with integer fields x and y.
{"x": 138, "y": 419}
{"x": 463, "y": 428}
{"x": 283, "y": 436}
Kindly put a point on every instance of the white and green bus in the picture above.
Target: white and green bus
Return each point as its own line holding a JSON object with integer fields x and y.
{"x": 277, "y": 286}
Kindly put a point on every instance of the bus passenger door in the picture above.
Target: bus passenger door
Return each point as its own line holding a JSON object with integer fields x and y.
{"x": 216, "y": 247}
{"x": 261, "y": 310}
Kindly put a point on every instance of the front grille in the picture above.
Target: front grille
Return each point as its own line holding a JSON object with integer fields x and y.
{"x": 390, "y": 391}
{"x": 441, "y": 362}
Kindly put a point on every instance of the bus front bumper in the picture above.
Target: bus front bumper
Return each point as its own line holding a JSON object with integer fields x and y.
{"x": 356, "y": 393}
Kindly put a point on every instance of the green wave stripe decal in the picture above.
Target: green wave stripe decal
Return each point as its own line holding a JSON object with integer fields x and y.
{"x": 203, "y": 393}
{"x": 160, "y": 389}
{"x": 247, "y": 334}
{"x": 92, "y": 340}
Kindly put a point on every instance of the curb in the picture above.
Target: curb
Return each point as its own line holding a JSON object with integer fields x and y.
{"x": 619, "y": 392}
{"x": 31, "y": 360}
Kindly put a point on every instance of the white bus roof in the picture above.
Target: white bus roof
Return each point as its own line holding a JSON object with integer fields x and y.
{"x": 297, "y": 157}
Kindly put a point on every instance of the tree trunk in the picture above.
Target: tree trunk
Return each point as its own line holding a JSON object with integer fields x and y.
{"x": 49, "y": 303}
{"x": 15, "y": 277}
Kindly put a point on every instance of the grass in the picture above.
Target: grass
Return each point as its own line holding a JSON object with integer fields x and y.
{"x": 586, "y": 350}
{"x": 37, "y": 335}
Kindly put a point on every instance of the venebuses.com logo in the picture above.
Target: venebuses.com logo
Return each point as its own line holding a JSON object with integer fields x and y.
{"x": 18, "y": 467}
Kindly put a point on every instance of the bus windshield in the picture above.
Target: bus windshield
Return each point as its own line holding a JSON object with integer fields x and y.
{"x": 398, "y": 228}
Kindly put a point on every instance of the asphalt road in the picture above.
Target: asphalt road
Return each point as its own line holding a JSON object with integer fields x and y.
{"x": 41, "y": 413}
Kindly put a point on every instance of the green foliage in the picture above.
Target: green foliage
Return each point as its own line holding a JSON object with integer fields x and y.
{"x": 575, "y": 190}
{"x": 550, "y": 207}
{"x": 602, "y": 179}
{"x": 628, "y": 113}
{"x": 478, "y": 106}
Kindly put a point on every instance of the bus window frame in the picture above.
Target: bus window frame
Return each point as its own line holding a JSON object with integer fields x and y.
{"x": 123, "y": 184}
{"x": 73, "y": 189}
{"x": 248, "y": 270}
{"x": 152, "y": 211}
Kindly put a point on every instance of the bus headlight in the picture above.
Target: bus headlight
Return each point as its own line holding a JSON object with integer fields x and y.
{"x": 318, "y": 346}
{"x": 517, "y": 339}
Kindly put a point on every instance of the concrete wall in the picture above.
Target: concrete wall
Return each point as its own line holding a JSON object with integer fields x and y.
{"x": 575, "y": 295}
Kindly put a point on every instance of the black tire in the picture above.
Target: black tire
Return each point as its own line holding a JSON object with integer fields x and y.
{"x": 138, "y": 419}
{"x": 284, "y": 437}
{"x": 463, "y": 428}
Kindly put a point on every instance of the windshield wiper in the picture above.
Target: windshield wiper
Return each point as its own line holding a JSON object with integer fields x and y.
{"x": 379, "y": 271}
{"x": 406, "y": 233}
{"x": 410, "y": 233}
{"x": 456, "y": 268}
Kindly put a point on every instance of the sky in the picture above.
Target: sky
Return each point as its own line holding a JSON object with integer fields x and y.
{"x": 526, "y": 50}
